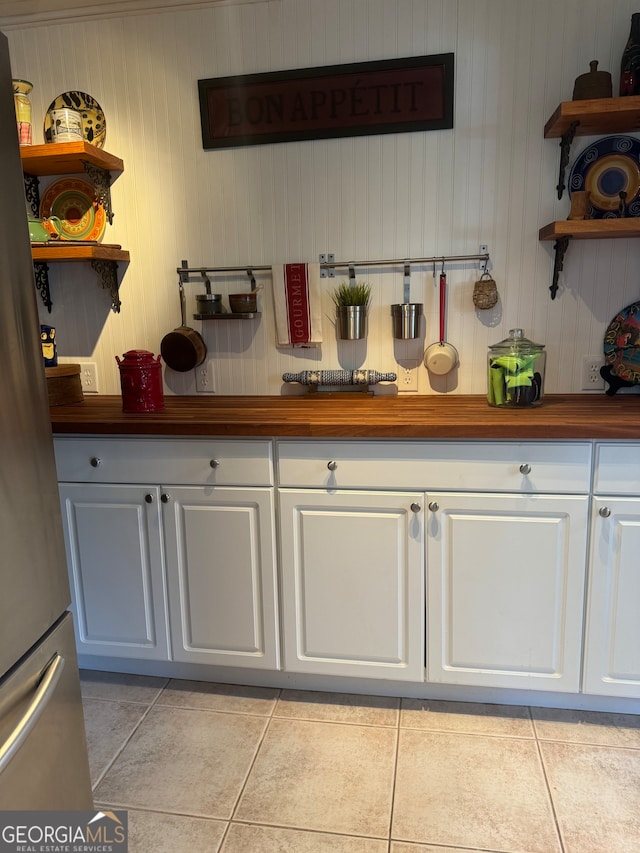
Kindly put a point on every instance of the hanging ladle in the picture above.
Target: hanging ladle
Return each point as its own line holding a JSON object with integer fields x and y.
{"x": 441, "y": 357}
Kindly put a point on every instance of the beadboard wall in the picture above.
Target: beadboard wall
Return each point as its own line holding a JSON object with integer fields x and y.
{"x": 489, "y": 180}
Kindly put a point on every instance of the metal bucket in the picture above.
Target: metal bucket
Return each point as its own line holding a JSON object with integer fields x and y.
{"x": 209, "y": 303}
{"x": 351, "y": 322}
{"x": 406, "y": 320}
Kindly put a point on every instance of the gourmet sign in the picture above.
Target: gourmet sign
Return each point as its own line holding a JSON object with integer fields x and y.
{"x": 364, "y": 98}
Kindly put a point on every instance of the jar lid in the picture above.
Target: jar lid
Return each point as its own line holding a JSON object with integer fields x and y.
{"x": 139, "y": 356}
{"x": 517, "y": 342}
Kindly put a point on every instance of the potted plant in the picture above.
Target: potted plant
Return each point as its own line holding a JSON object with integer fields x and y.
{"x": 352, "y": 304}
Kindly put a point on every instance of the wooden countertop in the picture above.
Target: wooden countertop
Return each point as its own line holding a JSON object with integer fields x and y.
{"x": 571, "y": 416}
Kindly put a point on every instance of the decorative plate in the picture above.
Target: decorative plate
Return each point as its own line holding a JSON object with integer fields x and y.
{"x": 73, "y": 202}
{"x": 94, "y": 127}
{"x": 622, "y": 344}
{"x": 609, "y": 166}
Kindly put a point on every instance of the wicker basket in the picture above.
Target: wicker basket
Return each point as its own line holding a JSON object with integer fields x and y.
{"x": 485, "y": 292}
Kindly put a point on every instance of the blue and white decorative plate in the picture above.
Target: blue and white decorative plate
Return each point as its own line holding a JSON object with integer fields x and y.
{"x": 606, "y": 168}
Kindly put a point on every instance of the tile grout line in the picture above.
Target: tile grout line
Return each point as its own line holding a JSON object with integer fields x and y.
{"x": 395, "y": 774}
{"x": 128, "y": 739}
{"x": 547, "y": 782}
{"x": 270, "y": 717}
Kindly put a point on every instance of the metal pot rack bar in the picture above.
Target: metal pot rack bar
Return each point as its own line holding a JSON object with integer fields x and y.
{"x": 328, "y": 266}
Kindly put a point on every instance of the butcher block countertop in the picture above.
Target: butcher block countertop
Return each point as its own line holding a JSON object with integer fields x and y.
{"x": 585, "y": 416}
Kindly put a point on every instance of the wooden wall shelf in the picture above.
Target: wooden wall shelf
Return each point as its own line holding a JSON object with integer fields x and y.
{"x": 591, "y": 229}
{"x": 587, "y": 118}
{"x": 66, "y": 158}
{"x": 598, "y": 115}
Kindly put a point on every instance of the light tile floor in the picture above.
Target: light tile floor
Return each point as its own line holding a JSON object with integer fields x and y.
{"x": 229, "y": 769}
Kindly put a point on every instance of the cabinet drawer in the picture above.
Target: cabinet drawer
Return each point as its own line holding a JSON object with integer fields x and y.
{"x": 488, "y": 466}
{"x": 617, "y": 469}
{"x": 164, "y": 461}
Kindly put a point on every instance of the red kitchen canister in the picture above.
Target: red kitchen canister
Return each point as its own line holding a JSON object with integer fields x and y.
{"x": 141, "y": 381}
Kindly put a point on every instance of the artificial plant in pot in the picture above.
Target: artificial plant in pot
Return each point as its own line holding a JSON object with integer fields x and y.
{"x": 352, "y": 304}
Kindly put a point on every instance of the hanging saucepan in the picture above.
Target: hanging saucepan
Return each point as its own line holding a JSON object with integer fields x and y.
{"x": 183, "y": 349}
{"x": 440, "y": 358}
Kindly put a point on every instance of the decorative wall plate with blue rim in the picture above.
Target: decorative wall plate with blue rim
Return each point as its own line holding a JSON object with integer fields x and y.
{"x": 607, "y": 167}
{"x": 94, "y": 127}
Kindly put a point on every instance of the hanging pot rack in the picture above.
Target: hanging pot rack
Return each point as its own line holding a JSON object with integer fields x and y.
{"x": 328, "y": 266}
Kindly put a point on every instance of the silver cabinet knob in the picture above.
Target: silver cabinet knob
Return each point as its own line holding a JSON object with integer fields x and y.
{"x": 94, "y": 461}
{"x": 332, "y": 465}
{"x": 214, "y": 463}
{"x": 415, "y": 507}
{"x": 604, "y": 511}
{"x": 148, "y": 499}
{"x": 434, "y": 506}
{"x": 525, "y": 468}
{"x": 164, "y": 498}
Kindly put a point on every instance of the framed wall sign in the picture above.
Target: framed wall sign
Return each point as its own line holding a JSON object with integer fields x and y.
{"x": 358, "y": 99}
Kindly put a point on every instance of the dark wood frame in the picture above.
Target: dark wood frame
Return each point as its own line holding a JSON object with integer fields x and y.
{"x": 436, "y": 70}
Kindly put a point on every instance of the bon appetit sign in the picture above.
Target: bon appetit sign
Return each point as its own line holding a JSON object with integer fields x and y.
{"x": 359, "y": 99}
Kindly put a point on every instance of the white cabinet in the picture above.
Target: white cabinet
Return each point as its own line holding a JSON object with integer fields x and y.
{"x": 221, "y": 575}
{"x": 612, "y": 648}
{"x": 114, "y": 552}
{"x": 506, "y": 589}
{"x": 352, "y": 566}
{"x": 188, "y": 552}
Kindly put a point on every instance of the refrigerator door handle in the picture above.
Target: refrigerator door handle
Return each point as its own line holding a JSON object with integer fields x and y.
{"x": 41, "y": 698}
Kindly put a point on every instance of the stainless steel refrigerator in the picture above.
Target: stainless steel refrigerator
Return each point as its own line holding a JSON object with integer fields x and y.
{"x": 43, "y": 753}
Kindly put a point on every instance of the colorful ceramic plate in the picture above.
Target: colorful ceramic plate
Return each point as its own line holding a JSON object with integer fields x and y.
{"x": 94, "y": 127}
{"x": 622, "y": 344}
{"x": 609, "y": 166}
{"x": 73, "y": 202}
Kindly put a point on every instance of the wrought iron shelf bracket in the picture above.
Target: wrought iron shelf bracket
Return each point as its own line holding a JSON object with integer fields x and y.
{"x": 565, "y": 150}
{"x": 108, "y": 276}
{"x": 41, "y": 275}
{"x": 101, "y": 180}
{"x": 560, "y": 249}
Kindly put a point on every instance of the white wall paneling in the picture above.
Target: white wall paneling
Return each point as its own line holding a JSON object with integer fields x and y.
{"x": 489, "y": 180}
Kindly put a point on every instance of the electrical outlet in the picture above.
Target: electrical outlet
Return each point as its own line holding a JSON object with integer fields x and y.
{"x": 591, "y": 379}
{"x": 89, "y": 377}
{"x": 407, "y": 380}
{"x": 204, "y": 378}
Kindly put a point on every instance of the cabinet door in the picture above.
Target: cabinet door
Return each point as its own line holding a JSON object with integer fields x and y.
{"x": 352, "y": 583}
{"x": 505, "y": 590}
{"x": 612, "y": 658}
{"x": 114, "y": 552}
{"x": 221, "y": 575}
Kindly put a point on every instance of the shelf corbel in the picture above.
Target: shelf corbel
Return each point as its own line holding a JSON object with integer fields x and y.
{"x": 41, "y": 275}
{"x": 108, "y": 276}
{"x": 560, "y": 248}
{"x": 565, "y": 151}
{"x": 101, "y": 180}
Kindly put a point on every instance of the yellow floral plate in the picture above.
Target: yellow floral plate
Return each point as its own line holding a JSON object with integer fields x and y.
{"x": 94, "y": 127}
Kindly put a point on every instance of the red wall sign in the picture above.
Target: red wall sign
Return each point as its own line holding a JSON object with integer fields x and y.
{"x": 363, "y": 98}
